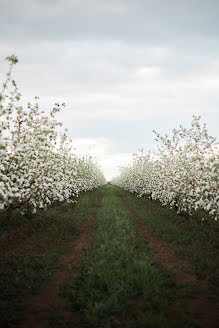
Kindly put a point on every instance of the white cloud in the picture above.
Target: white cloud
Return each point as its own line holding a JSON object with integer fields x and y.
{"x": 112, "y": 162}
{"x": 97, "y": 147}
{"x": 101, "y": 150}
{"x": 146, "y": 92}
{"x": 123, "y": 67}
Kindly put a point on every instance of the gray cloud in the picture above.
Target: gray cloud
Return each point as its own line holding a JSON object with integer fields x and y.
{"x": 124, "y": 67}
{"x": 150, "y": 22}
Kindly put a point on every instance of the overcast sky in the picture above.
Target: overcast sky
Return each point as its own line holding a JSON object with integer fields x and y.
{"x": 123, "y": 67}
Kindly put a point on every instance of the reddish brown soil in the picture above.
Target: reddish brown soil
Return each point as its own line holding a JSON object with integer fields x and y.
{"x": 48, "y": 301}
{"x": 25, "y": 238}
{"x": 194, "y": 293}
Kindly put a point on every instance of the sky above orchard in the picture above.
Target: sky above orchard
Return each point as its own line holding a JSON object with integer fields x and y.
{"x": 123, "y": 67}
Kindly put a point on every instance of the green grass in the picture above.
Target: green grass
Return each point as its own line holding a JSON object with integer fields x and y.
{"x": 32, "y": 253}
{"x": 121, "y": 285}
{"x": 194, "y": 241}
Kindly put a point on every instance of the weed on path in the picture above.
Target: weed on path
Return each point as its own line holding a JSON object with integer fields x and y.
{"x": 30, "y": 264}
{"x": 48, "y": 301}
{"x": 122, "y": 285}
{"x": 116, "y": 261}
{"x": 197, "y": 296}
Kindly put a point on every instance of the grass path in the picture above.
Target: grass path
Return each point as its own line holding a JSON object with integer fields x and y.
{"x": 196, "y": 296}
{"x": 36, "y": 256}
{"x": 113, "y": 260}
{"x": 122, "y": 285}
{"x": 48, "y": 301}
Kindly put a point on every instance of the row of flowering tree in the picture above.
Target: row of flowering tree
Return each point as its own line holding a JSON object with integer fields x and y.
{"x": 181, "y": 173}
{"x": 37, "y": 166}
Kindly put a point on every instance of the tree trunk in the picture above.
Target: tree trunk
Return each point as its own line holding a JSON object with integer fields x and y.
{"x": 9, "y": 214}
{"x": 28, "y": 210}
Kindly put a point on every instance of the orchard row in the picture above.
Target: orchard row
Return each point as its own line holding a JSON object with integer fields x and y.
{"x": 37, "y": 165}
{"x": 182, "y": 173}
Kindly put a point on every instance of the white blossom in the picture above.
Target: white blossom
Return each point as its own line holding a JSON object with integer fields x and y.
{"x": 32, "y": 170}
{"x": 182, "y": 173}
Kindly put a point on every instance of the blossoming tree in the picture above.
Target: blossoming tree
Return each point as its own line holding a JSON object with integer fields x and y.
{"x": 183, "y": 172}
{"x": 37, "y": 166}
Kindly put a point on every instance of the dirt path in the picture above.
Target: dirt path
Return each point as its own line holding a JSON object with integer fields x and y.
{"x": 48, "y": 301}
{"x": 195, "y": 293}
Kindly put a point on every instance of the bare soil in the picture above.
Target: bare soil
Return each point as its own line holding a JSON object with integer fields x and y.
{"x": 21, "y": 239}
{"x": 196, "y": 296}
{"x": 48, "y": 301}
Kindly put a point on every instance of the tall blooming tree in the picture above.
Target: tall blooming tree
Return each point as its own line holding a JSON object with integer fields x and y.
{"x": 37, "y": 166}
{"x": 183, "y": 172}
